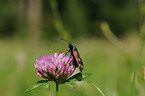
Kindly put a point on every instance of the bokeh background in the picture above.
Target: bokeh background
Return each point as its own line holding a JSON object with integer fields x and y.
{"x": 107, "y": 33}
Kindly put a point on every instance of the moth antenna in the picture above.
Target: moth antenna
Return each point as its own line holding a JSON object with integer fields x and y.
{"x": 65, "y": 40}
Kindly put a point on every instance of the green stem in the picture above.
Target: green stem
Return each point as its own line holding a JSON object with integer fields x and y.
{"x": 132, "y": 91}
{"x": 97, "y": 88}
{"x": 57, "y": 20}
{"x": 57, "y": 87}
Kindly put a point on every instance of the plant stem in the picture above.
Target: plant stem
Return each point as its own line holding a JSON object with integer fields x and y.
{"x": 57, "y": 20}
{"x": 57, "y": 86}
{"x": 97, "y": 88}
{"x": 132, "y": 91}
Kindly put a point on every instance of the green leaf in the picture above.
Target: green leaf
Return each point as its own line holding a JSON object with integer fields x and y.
{"x": 36, "y": 85}
{"x": 132, "y": 89}
{"x": 72, "y": 85}
{"x": 46, "y": 86}
{"x": 86, "y": 75}
{"x": 76, "y": 77}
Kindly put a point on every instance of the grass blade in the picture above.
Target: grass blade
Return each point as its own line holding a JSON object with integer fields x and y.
{"x": 132, "y": 89}
{"x": 97, "y": 88}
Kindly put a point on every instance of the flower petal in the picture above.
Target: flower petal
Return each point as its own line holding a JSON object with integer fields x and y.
{"x": 55, "y": 67}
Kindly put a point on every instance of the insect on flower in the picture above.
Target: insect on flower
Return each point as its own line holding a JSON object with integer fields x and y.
{"x": 59, "y": 68}
{"x": 76, "y": 57}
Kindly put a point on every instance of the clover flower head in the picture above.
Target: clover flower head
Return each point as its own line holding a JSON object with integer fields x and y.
{"x": 57, "y": 67}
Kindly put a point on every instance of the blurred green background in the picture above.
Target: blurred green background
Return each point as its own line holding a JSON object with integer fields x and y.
{"x": 107, "y": 33}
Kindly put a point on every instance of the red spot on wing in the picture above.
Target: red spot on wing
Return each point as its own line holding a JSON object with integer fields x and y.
{"x": 80, "y": 66}
{"x": 78, "y": 59}
{"x": 75, "y": 53}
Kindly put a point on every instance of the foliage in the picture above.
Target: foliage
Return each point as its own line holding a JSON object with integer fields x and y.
{"x": 112, "y": 69}
{"x": 80, "y": 21}
{"x": 70, "y": 82}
